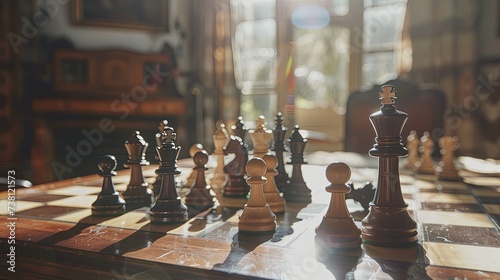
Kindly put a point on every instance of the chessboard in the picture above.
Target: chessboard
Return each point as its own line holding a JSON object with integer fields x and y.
{"x": 57, "y": 237}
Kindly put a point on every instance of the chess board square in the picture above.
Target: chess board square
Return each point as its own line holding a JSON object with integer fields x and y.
{"x": 122, "y": 179}
{"x": 425, "y": 185}
{"x": 448, "y": 186}
{"x": 149, "y": 172}
{"x": 463, "y": 256}
{"x": 20, "y": 205}
{"x": 81, "y": 201}
{"x": 492, "y": 208}
{"x": 446, "y": 198}
{"x": 75, "y": 190}
{"x": 150, "y": 180}
{"x": 120, "y": 187}
{"x": 454, "y": 218}
{"x": 486, "y": 192}
{"x": 460, "y": 207}
{"x": 45, "y": 197}
{"x": 407, "y": 189}
{"x": 47, "y": 211}
{"x": 480, "y": 236}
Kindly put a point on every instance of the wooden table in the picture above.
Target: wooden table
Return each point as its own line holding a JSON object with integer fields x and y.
{"x": 56, "y": 236}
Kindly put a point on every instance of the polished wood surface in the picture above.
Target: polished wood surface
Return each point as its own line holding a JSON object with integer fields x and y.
{"x": 57, "y": 237}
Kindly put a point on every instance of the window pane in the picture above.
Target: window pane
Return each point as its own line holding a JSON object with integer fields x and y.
{"x": 382, "y": 26}
{"x": 253, "y": 9}
{"x": 255, "y": 53}
{"x": 254, "y": 104}
{"x": 339, "y": 7}
{"x": 322, "y": 67}
{"x": 378, "y": 67}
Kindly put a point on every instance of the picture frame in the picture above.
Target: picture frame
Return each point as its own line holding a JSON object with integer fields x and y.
{"x": 151, "y": 15}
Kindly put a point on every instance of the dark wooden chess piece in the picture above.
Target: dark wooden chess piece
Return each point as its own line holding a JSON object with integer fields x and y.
{"x": 297, "y": 190}
{"x": 161, "y": 128}
{"x": 388, "y": 222}
{"x": 192, "y": 151}
{"x": 200, "y": 197}
{"x": 137, "y": 194}
{"x": 108, "y": 202}
{"x": 168, "y": 207}
{"x": 363, "y": 195}
{"x": 236, "y": 186}
{"x": 279, "y": 133}
{"x": 257, "y": 216}
{"x": 239, "y": 129}
{"x": 337, "y": 229}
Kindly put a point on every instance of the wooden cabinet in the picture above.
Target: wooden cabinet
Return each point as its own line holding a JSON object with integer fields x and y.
{"x": 133, "y": 91}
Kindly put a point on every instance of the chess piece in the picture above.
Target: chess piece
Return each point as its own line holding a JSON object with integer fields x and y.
{"x": 236, "y": 186}
{"x": 257, "y": 215}
{"x": 412, "y": 144}
{"x": 273, "y": 197}
{"x": 219, "y": 177}
{"x": 161, "y": 128}
{"x": 362, "y": 195}
{"x": 168, "y": 207}
{"x": 200, "y": 197}
{"x": 260, "y": 138}
{"x": 239, "y": 129}
{"x": 388, "y": 222}
{"x": 337, "y": 229}
{"x": 446, "y": 170}
{"x": 297, "y": 190}
{"x": 108, "y": 201}
{"x": 426, "y": 149}
{"x": 137, "y": 194}
{"x": 279, "y": 133}
{"x": 192, "y": 151}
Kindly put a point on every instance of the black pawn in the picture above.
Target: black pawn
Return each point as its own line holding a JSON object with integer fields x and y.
{"x": 239, "y": 128}
{"x": 137, "y": 194}
{"x": 108, "y": 202}
{"x": 161, "y": 128}
{"x": 297, "y": 190}
{"x": 279, "y": 133}
{"x": 168, "y": 207}
{"x": 200, "y": 197}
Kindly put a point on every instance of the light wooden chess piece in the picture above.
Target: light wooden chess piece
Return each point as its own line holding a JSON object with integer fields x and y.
{"x": 257, "y": 216}
{"x": 426, "y": 149}
{"x": 446, "y": 169}
{"x": 337, "y": 229}
{"x": 260, "y": 138}
{"x": 273, "y": 197}
{"x": 192, "y": 151}
{"x": 219, "y": 177}
{"x": 412, "y": 144}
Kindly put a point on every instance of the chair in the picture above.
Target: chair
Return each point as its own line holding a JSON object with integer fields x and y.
{"x": 424, "y": 106}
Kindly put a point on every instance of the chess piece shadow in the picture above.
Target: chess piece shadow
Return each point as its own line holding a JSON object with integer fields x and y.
{"x": 408, "y": 264}
{"x": 340, "y": 262}
{"x": 141, "y": 238}
{"x": 82, "y": 224}
{"x": 242, "y": 245}
{"x": 285, "y": 220}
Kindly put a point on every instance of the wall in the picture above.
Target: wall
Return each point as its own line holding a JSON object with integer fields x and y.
{"x": 98, "y": 38}
{"x": 488, "y": 30}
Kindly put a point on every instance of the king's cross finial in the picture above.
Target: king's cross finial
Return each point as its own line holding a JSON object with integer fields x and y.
{"x": 387, "y": 95}
{"x": 168, "y": 136}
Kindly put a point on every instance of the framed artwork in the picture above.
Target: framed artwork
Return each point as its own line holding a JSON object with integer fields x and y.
{"x": 133, "y": 14}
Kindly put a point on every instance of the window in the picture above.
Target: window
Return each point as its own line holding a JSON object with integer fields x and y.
{"x": 337, "y": 46}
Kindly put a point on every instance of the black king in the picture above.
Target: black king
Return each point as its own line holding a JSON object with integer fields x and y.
{"x": 388, "y": 222}
{"x": 168, "y": 208}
